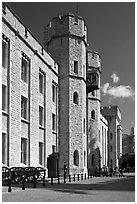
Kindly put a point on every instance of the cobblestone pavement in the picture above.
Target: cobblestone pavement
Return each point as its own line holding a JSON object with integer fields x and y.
{"x": 110, "y": 189}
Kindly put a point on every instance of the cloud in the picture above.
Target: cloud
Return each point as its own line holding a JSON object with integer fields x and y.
{"x": 115, "y": 78}
{"x": 118, "y": 91}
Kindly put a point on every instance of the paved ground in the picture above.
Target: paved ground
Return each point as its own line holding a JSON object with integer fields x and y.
{"x": 99, "y": 189}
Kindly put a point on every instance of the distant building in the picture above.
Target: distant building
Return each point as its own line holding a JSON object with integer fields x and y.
{"x": 128, "y": 142}
{"x": 113, "y": 116}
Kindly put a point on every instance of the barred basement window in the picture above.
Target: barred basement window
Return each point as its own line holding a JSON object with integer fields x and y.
{"x": 23, "y": 150}
{"x": 41, "y": 153}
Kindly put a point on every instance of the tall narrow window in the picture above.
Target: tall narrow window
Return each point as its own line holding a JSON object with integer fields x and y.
{"x": 41, "y": 115}
{"x": 84, "y": 158}
{"x": 23, "y": 150}
{"x": 54, "y": 93}
{"x": 111, "y": 136}
{"x": 41, "y": 82}
{"x": 25, "y": 70}
{"x": 41, "y": 153}
{"x": 4, "y": 97}
{"x": 75, "y": 98}
{"x": 99, "y": 135}
{"x": 93, "y": 160}
{"x": 53, "y": 148}
{"x": 24, "y": 107}
{"x": 5, "y": 54}
{"x": 76, "y": 158}
{"x": 4, "y": 148}
{"x": 76, "y": 67}
{"x": 111, "y": 162}
{"x": 111, "y": 148}
{"x": 84, "y": 126}
{"x": 93, "y": 114}
{"x": 53, "y": 122}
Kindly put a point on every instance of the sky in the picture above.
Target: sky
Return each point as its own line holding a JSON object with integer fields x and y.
{"x": 111, "y": 33}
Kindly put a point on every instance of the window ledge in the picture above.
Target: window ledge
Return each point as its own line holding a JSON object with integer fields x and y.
{"x": 5, "y": 113}
{"x": 25, "y": 121}
{"x": 41, "y": 127}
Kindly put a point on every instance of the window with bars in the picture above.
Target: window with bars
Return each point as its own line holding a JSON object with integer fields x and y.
{"x": 25, "y": 65}
{"x": 4, "y": 98}
{"x": 41, "y": 153}
{"x": 5, "y": 54}
{"x": 24, "y": 150}
{"x": 24, "y": 107}
{"x": 41, "y": 122}
{"x": 41, "y": 83}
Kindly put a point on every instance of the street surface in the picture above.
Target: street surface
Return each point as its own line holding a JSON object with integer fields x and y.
{"x": 101, "y": 189}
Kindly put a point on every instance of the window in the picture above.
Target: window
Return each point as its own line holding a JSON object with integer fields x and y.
{"x": 5, "y": 54}
{"x": 41, "y": 83}
{"x": 93, "y": 114}
{"x": 84, "y": 158}
{"x": 4, "y": 97}
{"x": 99, "y": 135}
{"x": 24, "y": 107}
{"x": 75, "y": 98}
{"x": 41, "y": 153}
{"x": 93, "y": 160}
{"x": 84, "y": 126}
{"x": 76, "y": 67}
{"x": 4, "y": 148}
{"x": 111, "y": 162}
{"x": 76, "y": 158}
{"x": 111, "y": 136}
{"x": 53, "y": 122}
{"x": 53, "y": 148}
{"x": 54, "y": 93}
{"x": 93, "y": 93}
{"x": 111, "y": 148}
{"x": 23, "y": 150}
{"x": 40, "y": 115}
{"x": 25, "y": 70}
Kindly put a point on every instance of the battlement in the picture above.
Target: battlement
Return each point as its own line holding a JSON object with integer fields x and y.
{"x": 93, "y": 60}
{"x": 66, "y": 25}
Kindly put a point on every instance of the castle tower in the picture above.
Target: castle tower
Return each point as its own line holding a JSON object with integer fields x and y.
{"x": 66, "y": 41}
{"x": 93, "y": 110}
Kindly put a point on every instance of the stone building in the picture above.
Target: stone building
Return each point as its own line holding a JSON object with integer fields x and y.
{"x": 128, "y": 142}
{"x": 29, "y": 96}
{"x": 114, "y": 140}
{"x": 51, "y": 96}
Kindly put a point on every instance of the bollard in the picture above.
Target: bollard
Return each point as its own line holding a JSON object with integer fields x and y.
{"x": 23, "y": 182}
{"x": 44, "y": 179}
{"x": 9, "y": 189}
{"x": 69, "y": 178}
{"x": 34, "y": 181}
{"x": 78, "y": 177}
{"x": 51, "y": 181}
{"x": 74, "y": 178}
{"x": 85, "y": 176}
{"x": 58, "y": 180}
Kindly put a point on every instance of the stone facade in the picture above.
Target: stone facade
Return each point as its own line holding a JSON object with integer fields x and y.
{"x": 113, "y": 116}
{"x": 23, "y": 46}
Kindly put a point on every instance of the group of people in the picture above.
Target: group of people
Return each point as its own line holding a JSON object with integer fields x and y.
{"x": 107, "y": 171}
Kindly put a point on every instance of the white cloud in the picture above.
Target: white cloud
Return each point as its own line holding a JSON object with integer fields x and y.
{"x": 118, "y": 91}
{"x": 115, "y": 78}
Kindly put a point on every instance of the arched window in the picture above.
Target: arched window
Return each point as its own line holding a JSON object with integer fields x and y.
{"x": 93, "y": 159}
{"x": 76, "y": 158}
{"x": 75, "y": 98}
{"x": 92, "y": 114}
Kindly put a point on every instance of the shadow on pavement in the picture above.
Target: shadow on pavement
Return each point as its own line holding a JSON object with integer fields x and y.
{"x": 120, "y": 184}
